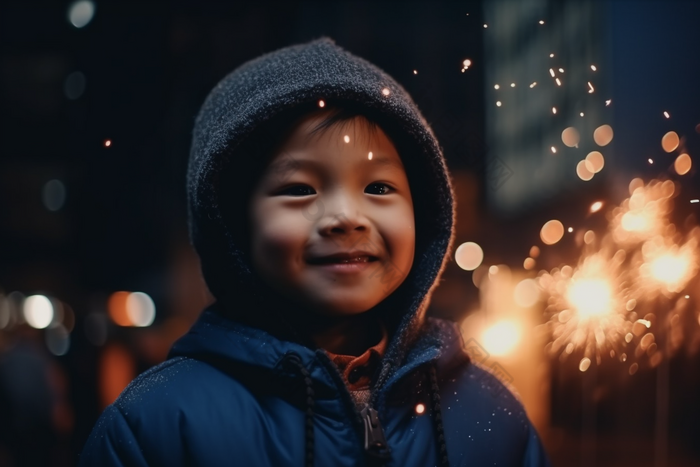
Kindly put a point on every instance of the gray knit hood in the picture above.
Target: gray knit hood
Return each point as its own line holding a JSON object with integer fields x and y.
{"x": 277, "y": 82}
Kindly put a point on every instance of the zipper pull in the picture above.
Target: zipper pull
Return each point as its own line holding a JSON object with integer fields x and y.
{"x": 375, "y": 442}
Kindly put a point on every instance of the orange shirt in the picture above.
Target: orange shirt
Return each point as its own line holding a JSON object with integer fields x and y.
{"x": 357, "y": 371}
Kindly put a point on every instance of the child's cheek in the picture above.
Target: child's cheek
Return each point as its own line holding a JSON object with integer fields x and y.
{"x": 282, "y": 236}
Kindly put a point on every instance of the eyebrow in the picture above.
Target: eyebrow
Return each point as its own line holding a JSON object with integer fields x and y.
{"x": 289, "y": 164}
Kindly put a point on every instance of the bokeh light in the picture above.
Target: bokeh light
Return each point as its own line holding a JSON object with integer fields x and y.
{"x": 501, "y": 338}
{"x": 570, "y": 137}
{"x": 683, "y": 164}
{"x": 603, "y": 135}
{"x": 81, "y": 13}
{"x": 526, "y": 293}
{"x": 583, "y": 172}
{"x": 469, "y": 256}
{"x": 670, "y": 141}
{"x": 551, "y": 232}
{"x": 594, "y": 162}
{"x": 38, "y": 311}
{"x": 53, "y": 195}
{"x": 74, "y": 85}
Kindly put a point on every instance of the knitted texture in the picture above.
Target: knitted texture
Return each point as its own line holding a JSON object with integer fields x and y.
{"x": 279, "y": 81}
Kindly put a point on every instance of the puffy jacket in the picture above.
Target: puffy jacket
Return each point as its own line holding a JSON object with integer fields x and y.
{"x": 245, "y": 386}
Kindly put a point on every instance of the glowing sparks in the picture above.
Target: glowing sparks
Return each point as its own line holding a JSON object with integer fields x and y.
{"x": 551, "y": 55}
{"x": 346, "y": 138}
{"x": 608, "y": 102}
{"x": 466, "y": 64}
{"x": 595, "y": 207}
{"x": 558, "y": 81}
{"x": 650, "y": 160}
{"x": 541, "y": 21}
{"x": 554, "y": 110}
{"x": 415, "y": 72}
{"x": 666, "y": 114}
{"x": 554, "y": 150}
{"x": 321, "y": 103}
{"x": 370, "y": 155}
{"x": 533, "y": 85}
{"x": 561, "y": 70}
{"x": 498, "y": 103}
{"x": 581, "y": 114}
{"x": 593, "y": 67}
{"x": 551, "y": 72}
{"x": 496, "y": 86}
{"x": 570, "y": 229}
{"x": 486, "y": 26}
{"x": 694, "y": 201}
{"x": 108, "y": 143}
{"x": 386, "y": 91}
{"x": 591, "y": 90}
{"x": 420, "y": 409}
{"x": 606, "y": 304}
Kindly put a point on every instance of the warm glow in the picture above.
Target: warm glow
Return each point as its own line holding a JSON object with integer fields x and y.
{"x": 552, "y": 232}
{"x": 346, "y": 138}
{"x": 526, "y": 293}
{"x": 386, "y": 91}
{"x": 420, "y": 409}
{"x": 683, "y": 164}
{"x": 370, "y": 155}
{"x": 533, "y": 85}
{"x": 633, "y": 222}
{"x": 496, "y": 86}
{"x": 669, "y": 269}
{"x": 534, "y": 251}
{"x": 501, "y": 338}
{"x": 140, "y": 309}
{"x": 498, "y": 103}
{"x": 670, "y": 141}
{"x": 469, "y": 256}
{"x": 595, "y": 207}
{"x": 590, "y": 297}
{"x": 321, "y": 103}
{"x": 593, "y": 67}
{"x": 666, "y": 114}
{"x": 108, "y": 143}
{"x": 554, "y": 150}
{"x": 603, "y": 135}
{"x": 590, "y": 88}
{"x": 554, "y": 110}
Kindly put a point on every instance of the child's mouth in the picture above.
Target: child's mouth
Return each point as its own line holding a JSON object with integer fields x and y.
{"x": 344, "y": 262}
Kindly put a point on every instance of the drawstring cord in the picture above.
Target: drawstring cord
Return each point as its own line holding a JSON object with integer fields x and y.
{"x": 310, "y": 402}
{"x": 437, "y": 419}
{"x": 309, "y": 414}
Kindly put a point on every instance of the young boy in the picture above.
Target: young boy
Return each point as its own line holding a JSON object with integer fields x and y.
{"x": 322, "y": 211}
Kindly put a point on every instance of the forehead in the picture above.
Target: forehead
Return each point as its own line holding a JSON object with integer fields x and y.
{"x": 355, "y": 136}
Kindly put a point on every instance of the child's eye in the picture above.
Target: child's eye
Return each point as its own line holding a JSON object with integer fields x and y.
{"x": 298, "y": 190}
{"x": 383, "y": 186}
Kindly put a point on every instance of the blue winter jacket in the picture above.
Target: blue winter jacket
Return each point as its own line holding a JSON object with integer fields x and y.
{"x": 225, "y": 398}
{"x": 246, "y": 386}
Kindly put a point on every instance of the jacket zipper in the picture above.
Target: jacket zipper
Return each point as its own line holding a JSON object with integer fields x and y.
{"x": 366, "y": 421}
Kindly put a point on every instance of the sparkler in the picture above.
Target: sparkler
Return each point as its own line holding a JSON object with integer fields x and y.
{"x": 610, "y": 304}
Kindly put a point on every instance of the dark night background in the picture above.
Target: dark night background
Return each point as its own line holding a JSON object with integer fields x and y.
{"x": 148, "y": 67}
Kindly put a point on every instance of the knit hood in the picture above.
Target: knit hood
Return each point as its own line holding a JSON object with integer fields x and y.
{"x": 264, "y": 88}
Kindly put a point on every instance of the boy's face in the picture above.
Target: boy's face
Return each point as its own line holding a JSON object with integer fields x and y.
{"x": 325, "y": 194}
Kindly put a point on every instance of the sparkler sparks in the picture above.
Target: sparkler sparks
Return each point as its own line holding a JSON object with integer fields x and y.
{"x": 609, "y": 304}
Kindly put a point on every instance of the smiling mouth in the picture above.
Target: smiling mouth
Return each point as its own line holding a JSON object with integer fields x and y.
{"x": 336, "y": 260}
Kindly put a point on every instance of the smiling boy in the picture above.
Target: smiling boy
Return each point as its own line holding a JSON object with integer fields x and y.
{"x": 323, "y": 214}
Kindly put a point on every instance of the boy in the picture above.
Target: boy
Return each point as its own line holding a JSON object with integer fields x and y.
{"x": 322, "y": 211}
